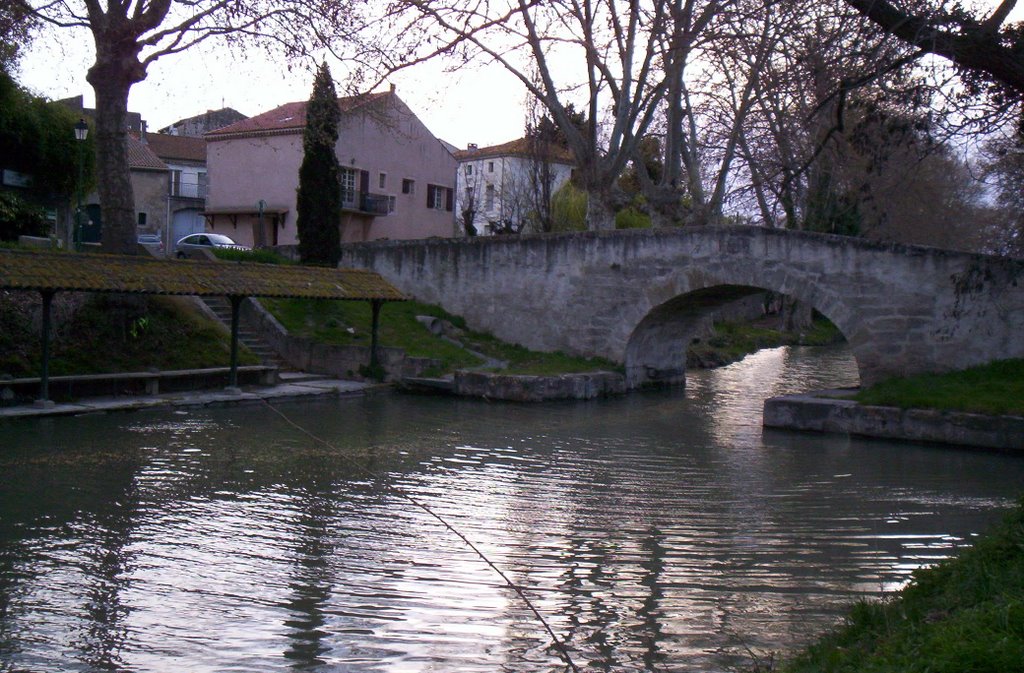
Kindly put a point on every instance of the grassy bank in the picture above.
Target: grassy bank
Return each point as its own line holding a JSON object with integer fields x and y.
{"x": 348, "y": 323}
{"x": 96, "y": 334}
{"x": 996, "y": 388}
{"x": 731, "y": 341}
{"x": 965, "y": 614}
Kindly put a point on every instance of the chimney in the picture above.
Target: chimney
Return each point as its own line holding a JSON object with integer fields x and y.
{"x": 471, "y": 146}
{"x": 392, "y": 87}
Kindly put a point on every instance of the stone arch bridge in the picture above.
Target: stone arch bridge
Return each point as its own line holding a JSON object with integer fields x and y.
{"x": 636, "y": 297}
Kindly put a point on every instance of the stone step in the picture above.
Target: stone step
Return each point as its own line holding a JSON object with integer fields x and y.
{"x": 252, "y": 340}
{"x": 298, "y": 377}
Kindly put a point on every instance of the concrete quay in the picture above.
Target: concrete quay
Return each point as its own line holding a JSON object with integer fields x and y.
{"x": 289, "y": 387}
{"x": 828, "y": 411}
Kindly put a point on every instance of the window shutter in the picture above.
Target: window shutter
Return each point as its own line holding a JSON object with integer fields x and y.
{"x": 449, "y": 197}
{"x": 430, "y": 196}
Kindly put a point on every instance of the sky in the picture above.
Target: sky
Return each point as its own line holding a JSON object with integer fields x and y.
{"x": 483, "y": 106}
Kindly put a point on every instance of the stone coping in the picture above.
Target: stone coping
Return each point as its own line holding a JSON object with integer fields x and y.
{"x": 829, "y": 411}
{"x": 200, "y": 398}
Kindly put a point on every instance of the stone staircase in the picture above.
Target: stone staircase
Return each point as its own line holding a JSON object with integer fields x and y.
{"x": 221, "y": 307}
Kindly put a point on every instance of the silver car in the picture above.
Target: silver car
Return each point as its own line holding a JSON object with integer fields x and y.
{"x": 153, "y": 243}
{"x": 193, "y": 243}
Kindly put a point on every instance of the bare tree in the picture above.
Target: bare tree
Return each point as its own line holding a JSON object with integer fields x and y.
{"x": 1004, "y": 172}
{"x": 470, "y": 201}
{"x": 130, "y": 36}
{"x": 985, "y": 45}
{"x": 794, "y": 145}
{"x": 619, "y": 59}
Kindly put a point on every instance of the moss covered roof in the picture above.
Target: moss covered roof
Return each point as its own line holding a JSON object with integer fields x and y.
{"x": 84, "y": 272}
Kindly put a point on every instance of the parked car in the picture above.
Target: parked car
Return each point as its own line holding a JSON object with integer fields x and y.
{"x": 153, "y": 243}
{"x": 194, "y": 243}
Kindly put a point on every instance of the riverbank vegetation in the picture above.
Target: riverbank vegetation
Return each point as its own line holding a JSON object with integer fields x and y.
{"x": 995, "y": 388}
{"x": 457, "y": 347}
{"x": 732, "y": 341}
{"x": 965, "y": 614}
{"x": 97, "y": 334}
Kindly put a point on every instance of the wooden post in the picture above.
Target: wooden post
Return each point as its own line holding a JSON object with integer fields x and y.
{"x": 375, "y": 306}
{"x": 236, "y": 303}
{"x": 44, "y": 379}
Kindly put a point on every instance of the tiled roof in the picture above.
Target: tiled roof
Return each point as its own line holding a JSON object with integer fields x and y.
{"x": 167, "y": 147}
{"x": 140, "y": 156}
{"x": 515, "y": 148}
{"x": 288, "y": 117}
{"x": 84, "y": 272}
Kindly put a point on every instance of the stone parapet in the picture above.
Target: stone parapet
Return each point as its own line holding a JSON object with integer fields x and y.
{"x": 822, "y": 412}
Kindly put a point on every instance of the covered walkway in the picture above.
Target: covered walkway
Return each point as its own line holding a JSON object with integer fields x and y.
{"x": 51, "y": 272}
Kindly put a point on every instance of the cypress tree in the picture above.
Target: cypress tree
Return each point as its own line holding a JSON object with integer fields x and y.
{"x": 319, "y": 193}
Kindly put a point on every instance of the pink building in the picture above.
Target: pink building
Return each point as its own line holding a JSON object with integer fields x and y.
{"x": 397, "y": 179}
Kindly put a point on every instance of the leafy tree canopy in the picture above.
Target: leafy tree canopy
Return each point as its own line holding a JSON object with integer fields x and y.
{"x": 37, "y": 137}
{"x": 16, "y": 29}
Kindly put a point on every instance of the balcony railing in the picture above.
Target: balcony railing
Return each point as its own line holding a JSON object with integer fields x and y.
{"x": 365, "y": 202}
{"x": 188, "y": 189}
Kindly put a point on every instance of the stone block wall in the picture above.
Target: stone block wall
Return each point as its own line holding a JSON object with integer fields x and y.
{"x": 520, "y": 388}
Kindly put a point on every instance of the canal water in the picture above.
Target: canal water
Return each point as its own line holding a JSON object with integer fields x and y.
{"x": 662, "y": 531}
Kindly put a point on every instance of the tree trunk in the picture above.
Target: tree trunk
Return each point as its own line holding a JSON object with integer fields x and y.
{"x": 600, "y": 215}
{"x": 796, "y": 315}
{"x": 113, "y": 173}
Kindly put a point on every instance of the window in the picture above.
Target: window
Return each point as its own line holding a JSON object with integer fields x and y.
{"x": 439, "y": 198}
{"x": 489, "y": 198}
{"x": 391, "y": 204}
{"x": 349, "y": 196}
{"x": 490, "y": 166}
{"x": 382, "y": 181}
{"x": 348, "y": 180}
{"x": 469, "y": 169}
{"x": 142, "y": 219}
{"x": 408, "y": 186}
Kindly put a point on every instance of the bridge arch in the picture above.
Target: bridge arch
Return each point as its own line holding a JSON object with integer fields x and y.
{"x": 656, "y": 350}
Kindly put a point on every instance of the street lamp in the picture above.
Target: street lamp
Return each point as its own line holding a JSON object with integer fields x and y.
{"x": 81, "y": 132}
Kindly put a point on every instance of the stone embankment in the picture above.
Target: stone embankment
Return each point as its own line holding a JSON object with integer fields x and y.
{"x": 828, "y": 411}
{"x": 521, "y": 388}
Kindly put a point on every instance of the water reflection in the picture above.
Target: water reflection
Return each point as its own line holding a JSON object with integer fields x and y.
{"x": 657, "y": 532}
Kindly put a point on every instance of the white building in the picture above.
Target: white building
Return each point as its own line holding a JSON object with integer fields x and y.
{"x": 507, "y": 188}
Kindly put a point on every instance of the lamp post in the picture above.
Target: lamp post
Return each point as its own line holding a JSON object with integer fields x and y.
{"x": 81, "y": 132}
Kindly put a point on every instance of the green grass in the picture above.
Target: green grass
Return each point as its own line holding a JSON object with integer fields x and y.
{"x": 524, "y": 361}
{"x": 348, "y": 323}
{"x": 260, "y": 256}
{"x": 996, "y": 388}
{"x": 965, "y": 614}
{"x": 732, "y": 341}
{"x": 107, "y": 335}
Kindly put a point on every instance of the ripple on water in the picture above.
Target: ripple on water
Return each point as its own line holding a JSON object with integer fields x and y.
{"x": 662, "y": 531}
